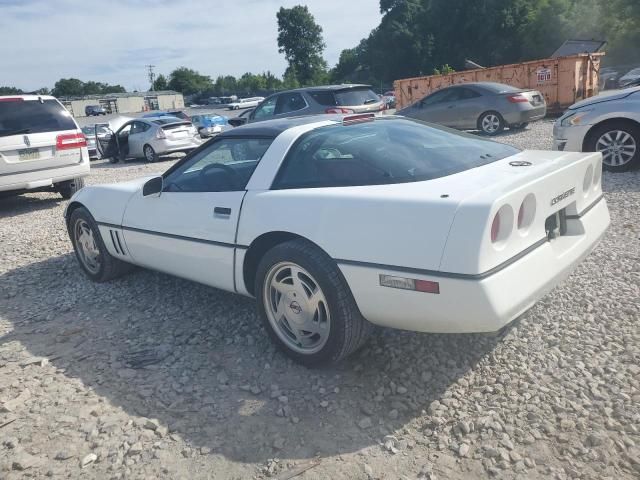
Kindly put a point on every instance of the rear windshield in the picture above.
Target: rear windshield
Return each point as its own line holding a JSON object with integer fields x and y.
{"x": 383, "y": 151}
{"x": 356, "y": 96}
{"x": 166, "y": 120}
{"x": 32, "y": 116}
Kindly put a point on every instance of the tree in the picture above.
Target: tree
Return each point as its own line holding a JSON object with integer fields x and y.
{"x": 68, "y": 87}
{"x": 300, "y": 39}
{"x": 10, "y": 91}
{"x": 160, "y": 83}
{"x": 188, "y": 81}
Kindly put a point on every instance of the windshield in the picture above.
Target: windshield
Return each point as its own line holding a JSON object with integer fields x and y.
{"x": 356, "y": 96}
{"x": 32, "y": 116}
{"x": 384, "y": 151}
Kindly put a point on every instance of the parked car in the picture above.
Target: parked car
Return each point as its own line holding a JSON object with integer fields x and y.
{"x": 209, "y": 124}
{"x": 90, "y": 134}
{"x": 485, "y": 106}
{"x": 607, "y": 123}
{"x": 149, "y": 138}
{"x": 629, "y": 77}
{"x": 172, "y": 113}
{"x": 41, "y": 146}
{"x": 337, "y": 222}
{"x": 240, "y": 119}
{"x": 331, "y": 99}
{"x": 94, "y": 110}
{"x": 245, "y": 103}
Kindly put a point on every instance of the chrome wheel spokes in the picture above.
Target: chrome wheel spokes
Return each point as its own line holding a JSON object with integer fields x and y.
{"x": 617, "y": 146}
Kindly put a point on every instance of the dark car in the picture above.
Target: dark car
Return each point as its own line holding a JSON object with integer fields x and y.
{"x": 314, "y": 100}
{"x": 91, "y": 110}
{"x": 485, "y": 106}
{"x": 240, "y": 119}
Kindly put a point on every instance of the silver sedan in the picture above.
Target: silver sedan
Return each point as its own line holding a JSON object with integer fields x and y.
{"x": 149, "y": 138}
{"x": 607, "y": 123}
{"x": 485, "y": 106}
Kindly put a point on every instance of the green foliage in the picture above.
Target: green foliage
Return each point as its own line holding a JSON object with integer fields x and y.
{"x": 300, "y": 39}
{"x": 160, "y": 83}
{"x": 72, "y": 87}
{"x": 417, "y": 37}
{"x": 10, "y": 91}
{"x": 188, "y": 81}
{"x": 445, "y": 69}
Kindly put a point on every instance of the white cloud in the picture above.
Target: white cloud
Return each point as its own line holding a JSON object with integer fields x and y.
{"x": 44, "y": 40}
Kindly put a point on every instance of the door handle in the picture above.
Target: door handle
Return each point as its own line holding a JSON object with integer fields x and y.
{"x": 221, "y": 211}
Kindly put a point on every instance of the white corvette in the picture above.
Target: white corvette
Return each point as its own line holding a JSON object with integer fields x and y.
{"x": 336, "y": 223}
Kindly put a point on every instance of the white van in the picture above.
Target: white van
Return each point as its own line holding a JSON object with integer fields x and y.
{"x": 41, "y": 146}
{"x": 245, "y": 103}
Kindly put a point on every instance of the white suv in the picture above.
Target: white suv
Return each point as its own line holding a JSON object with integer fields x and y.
{"x": 41, "y": 146}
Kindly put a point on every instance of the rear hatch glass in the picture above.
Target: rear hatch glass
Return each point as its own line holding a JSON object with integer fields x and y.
{"x": 33, "y": 116}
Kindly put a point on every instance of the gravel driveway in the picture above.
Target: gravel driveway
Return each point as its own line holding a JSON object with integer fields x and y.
{"x": 153, "y": 377}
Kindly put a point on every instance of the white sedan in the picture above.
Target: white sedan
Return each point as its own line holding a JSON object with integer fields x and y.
{"x": 335, "y": 223}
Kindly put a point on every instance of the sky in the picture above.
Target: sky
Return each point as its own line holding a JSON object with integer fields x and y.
{"x": 111, "y": 41}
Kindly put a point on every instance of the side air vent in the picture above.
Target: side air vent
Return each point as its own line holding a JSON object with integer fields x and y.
{"x": 115, "y": 240}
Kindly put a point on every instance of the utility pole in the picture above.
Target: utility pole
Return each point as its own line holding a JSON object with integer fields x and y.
{"x": 151, "y": 75}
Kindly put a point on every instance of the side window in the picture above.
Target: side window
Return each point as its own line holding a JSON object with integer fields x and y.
{"x": 225, "y": 166}
{"x": 289, "y": 102}
{"x": 138, "y": 127}
{"x": 436, "y": 97}
{"x": 266, "y": 109}
{"x": 467, "y": 94}
{"x": 125, "y": 131}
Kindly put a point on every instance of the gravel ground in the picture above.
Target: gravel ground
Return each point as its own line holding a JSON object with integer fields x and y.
{"x": 151, "y": 376}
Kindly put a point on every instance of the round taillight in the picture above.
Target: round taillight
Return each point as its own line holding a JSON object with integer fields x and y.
{"x": 495, "y": 228}
{"x": 526, "y": 213}
{"x": 597, "y": 174}
{"x": 588, "y": 179}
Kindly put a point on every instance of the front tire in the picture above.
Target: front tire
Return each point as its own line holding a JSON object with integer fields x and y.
{"x": 150, "y": 154}
{"x": 619, "y": 143}
{"x": 70, "y": 187}
{"x": 94, "y": 258}
{"x": 491, "y": 123}
{"x": 306, "y": 305}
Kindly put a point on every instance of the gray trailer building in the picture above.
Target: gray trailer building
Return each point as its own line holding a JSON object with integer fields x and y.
{"x": 133, "y": 102}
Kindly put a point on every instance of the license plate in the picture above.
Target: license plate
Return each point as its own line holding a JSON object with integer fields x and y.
{"x": 28, "y": 154}
{"x": 537, "y": 99}
{"x": 181, "y": 134}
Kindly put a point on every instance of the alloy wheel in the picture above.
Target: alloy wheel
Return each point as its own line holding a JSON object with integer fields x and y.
{"x": 617, "y": 146}
{"x": 88, "y": 250}
{"x": 296, "y": 308}
{"x": 490, "y": 123}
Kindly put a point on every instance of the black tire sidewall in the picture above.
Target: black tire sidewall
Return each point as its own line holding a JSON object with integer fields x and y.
{"x": 322, "y": 271}
{"x": 144, "y": 151}
{"x": 598, "y": 131}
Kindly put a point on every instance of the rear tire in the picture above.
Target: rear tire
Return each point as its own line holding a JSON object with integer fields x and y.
{"x": 68, "y": 188}
{"x": 94, "y": 258}
{"x": 150, "y": 154}
{"x": 519, "y": 126}
{"x": 327, "y": 323}
{"x": 619, "y": 142}
{"x": 491, "y": 123}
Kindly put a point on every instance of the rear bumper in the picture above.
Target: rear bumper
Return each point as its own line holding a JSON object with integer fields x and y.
{"x": 478, "y": 304}
{"x": 526, "y": 116}
{"x": 171, "y": 146}
{"x": 42, "y": 178}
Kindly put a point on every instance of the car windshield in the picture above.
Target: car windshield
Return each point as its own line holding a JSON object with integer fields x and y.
{"x": 356, "y": 96}
{"x": 32, "y": 116}
{"x": 384, "y": 151}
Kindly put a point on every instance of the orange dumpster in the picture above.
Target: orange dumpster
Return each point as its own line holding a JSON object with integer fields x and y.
{"x": 563, "y": 81}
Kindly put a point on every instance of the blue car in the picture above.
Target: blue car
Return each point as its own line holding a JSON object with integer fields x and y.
{"x": 210, "y": 125}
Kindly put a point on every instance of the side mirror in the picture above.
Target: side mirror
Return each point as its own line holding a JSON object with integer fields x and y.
{"x": 153, "y": 186}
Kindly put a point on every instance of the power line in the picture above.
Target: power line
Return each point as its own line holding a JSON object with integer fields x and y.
{"x": 151, "y": 75}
